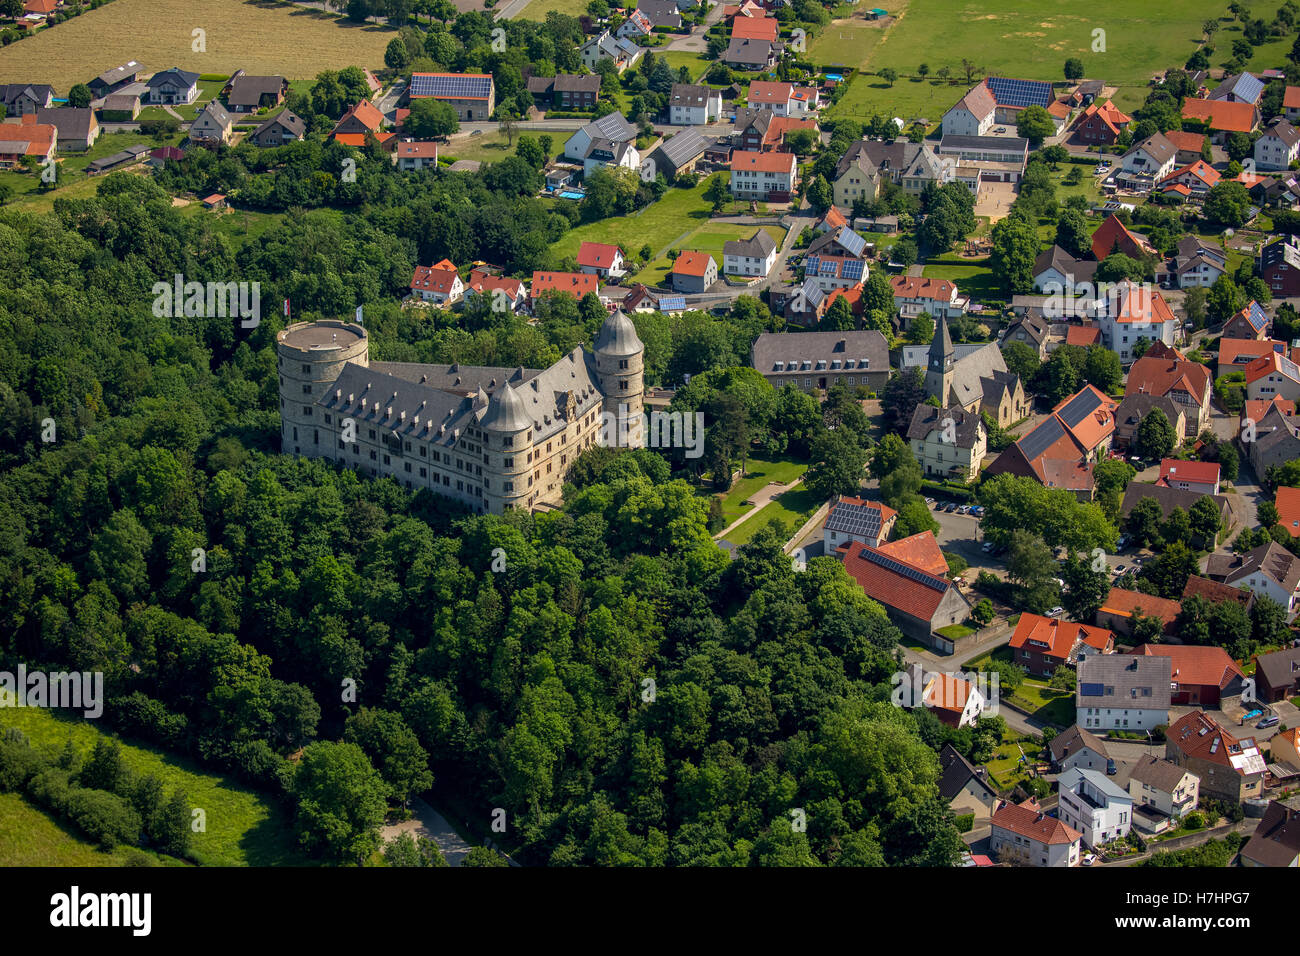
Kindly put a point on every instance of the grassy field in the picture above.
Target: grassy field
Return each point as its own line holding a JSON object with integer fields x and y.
{"x": 662, "y": 225}
{"x": 709, "y": 238}
{"x": 244, "y": 828}
{"x": 538, "y": 9}
{"x": 792, "y": 507}
{"x": 850, "y": 41}
{"x": 72, "y": 171}
{"x": 489, "y": 147}
{"x": 240, "y": 226}
{"x": 758, "y": 474}
{"x": 29, "y": 837}
{"x": 260, "y": 37}
{"x": 1031, "y": 41}
{"x": 972, "y": 276}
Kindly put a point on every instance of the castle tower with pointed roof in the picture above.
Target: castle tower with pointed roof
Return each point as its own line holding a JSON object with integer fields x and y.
{"x": 620, "y": 369}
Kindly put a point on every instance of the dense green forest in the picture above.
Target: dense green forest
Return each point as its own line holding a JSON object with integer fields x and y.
{"x": 624, "y": 691}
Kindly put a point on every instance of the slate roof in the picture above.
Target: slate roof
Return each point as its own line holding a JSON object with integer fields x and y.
{"x": 1124, "y": 603}
{"x": 967, "y": 426}
{"x": 849, "y": 347}
{"x": 1281, "y": 667}
{"x": 957, "y": 772}
{"x": 289, "y": 121}
{"x": 1163, "y": 775}
{"x": 759, "y": 246}
{"x": 683, "y": 147}
{"x": 1276, "y": 841}
{"x": 248, "y": 90}
{"x": 72, "y": 123}
{"x": 1072, "y": 740}
{"x": 182, "y": 78}
{"x": 1273, "y": 561}
{"x": 1167, "y": 498}
{"x": 1141, "y": 683}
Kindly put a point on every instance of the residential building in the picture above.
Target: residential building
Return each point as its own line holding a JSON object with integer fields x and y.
{"x": 1200, "y": 676}
{"x": 611, "y": 128}
{"x": 1146, "y": 163}
{"x": 174, "y": 87}
{"x": 1269, "y": 569}
{"x": 1122, "y": 692}
{"x": 1276, "y": 841}
{"x": 284, "y": 127}
{"x": 1221, "y": 117}
{"x": 819, "y": 360}
{"x": 621, "y": 51}
{"x": 78, "y": 129}
{"x": 359, "y": 121}
{"x": 964, "y": 786}
{"x": 831, "y": 271}
{"x": 1076, "y": 748}
{"x": 28, "y": 138}
{"x": 1197, "y": 263}
{"x": 1089, "y": 802}
{"x": 1195, "y": 180}
{"x": 212, "y": 127}
{"x": 1199, "y": 476}
{"x": 1022, "y": 834}
{"x": 1271, "y": 376}
{"x": 1291, "y": 103}
{"x": 491, "y": 439}
{"x": 471, "y": 95}
{"x": 606, "y": 152}
{"x": 513, "y": 293}
{"x": 413, "y": 154}
{"x": 1133, "y": 313}
{"x": 1278, "y": 146}
{"x": 751, "y": 56}
{"x": 1229, "y": 768}
{"x": 1136, "y": 407}
{"x": 856, "y": 521}
{"x": 755, "y": 28}
{"x": 678, "y": 154}
{"x": 907, "y": 578}
{"x": 438, "y": 284}
{"x": 1239, "y": 88}
{"x": 1187, "y": 383}
{"x": 1101, "y": 124}
{"x": 949, "y": 443}
{"x": 1279, "y": 266}
{"x": 978, "y": 381}
{"x": 972, "y": 115}
{"x": 661, "y": 13}
{"x": 1162, "y": 792}
{"x": 1057, "y": 272}
{"x": 1190, "y": 146}
{"x": 767, "y": 177}
{"x": 1170, "y": 498}
{"x": 754, "y": 256}
{"x": 1121, "y": 606}
{"x": 954, "y": 701}
{"x": 1028, "y": 330}
{"x": 119, "y": 107}
{"x": 1113, "y": 236}
{"x": 1042, "y": 644}
{"x": 636, "y": 25}
{"x": 693, "y": 272}
{"x": 248, "y": 94}
{"x": 1061, "y": 450}
{"x": 1251, "y": 322}
{"x": 601, "y": 259}
{"x": 690, "y": 104}
{"x": 24, "y": 99}
{"x": 1277, "y": 675}
{"x": 1215, "y": 592}
{"x": 571, "y": 92}
{"x": 1276, "y": 430}
{"x": 576, "y": 284}
{"x": 937, "y": 298}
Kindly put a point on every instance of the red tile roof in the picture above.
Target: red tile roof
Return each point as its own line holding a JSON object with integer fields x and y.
{"x": 417, "y": 149}
{"x": 1195, "y": 664}
{"x": 1112, "y": 232}
{"x": 1056, "y": 638}
{"x": 920, "y": 287}
{"x": 1198, "y": 735}
{"x": 1291, "y": 98}
{"x": 597, "y": 255}
{"x": 754, "y": 28}
{"x": 1083, "y": 335}
{"x": 1199, "y": 170}
{"x": 1221, "y": 114}
{"x": 919, "y": 550}
{"x": 1123, "y": 603}
{"x": 1186, "y": 142}
{"x": 1154, "y": 375}
{"x": 1214, "y": 591}
{"x": 1257, "y": 408}
{"x": 1201, "y": 472}
{"x": 1272, "y": 363}
{"x": 1245, "y": 351}
{"x": 1140, "y": 304}
{"x": 367, "y": 114}
{"x": 577, "y": 283}
{"x": 763, "y": 162}
{"x": 1288, "y": 509}
{"x": 914, "y": 592}
{"x": 692, "y": 264}
{"x": 439, "y": 277}
{"x": 763, "y": 91}
{"x": 1027, "y": 820}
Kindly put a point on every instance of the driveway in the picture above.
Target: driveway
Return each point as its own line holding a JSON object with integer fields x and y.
{"x": 428, "y": 822}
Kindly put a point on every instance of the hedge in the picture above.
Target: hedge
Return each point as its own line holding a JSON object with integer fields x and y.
{"x": 965, "y": 822}
{"x": 954, "y": 492}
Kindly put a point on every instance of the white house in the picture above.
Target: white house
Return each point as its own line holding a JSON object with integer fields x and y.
{"x": 1269, "y": 569}
{"x": 416, "y": 154}
{"x": 608, "y": 152}
{"x": 1147, "y": 162}
{"x": 438, "y": 284}
{"x": 1272, "y": 375}
{"x": 916, "y": 294}
{"x": 973, "y": 114}
{"x": 605, "y": 46}
{"x": 1076, "y": 748}
{"x": 636, "y": 25}
{"x": 1135, "y": 312}
{"x": 1163, "y": 787}
{"x": 612, "y": 127}
{"x": 1024, "y": 835}
{"x": 1278, "y": 146}
{"x": 1201, "y": 477}
{"x": 601, "y": 259}
{"x": 754, "y": 256}
{"x": 763, "y": 176}
{"x": 1123, "y": 692}
{"x": 692, "y": 105}
{"x": 856, "y": 519}
{"x": 1100, "y": 810}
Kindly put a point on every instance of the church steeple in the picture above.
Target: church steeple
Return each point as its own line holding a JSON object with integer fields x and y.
{"x": 942, "y": 358}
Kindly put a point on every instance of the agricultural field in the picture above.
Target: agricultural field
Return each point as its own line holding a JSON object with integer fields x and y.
{"x": 271, "y": 38}
{"x": 1032, "y": 41}
{"x": 244, "y": 828}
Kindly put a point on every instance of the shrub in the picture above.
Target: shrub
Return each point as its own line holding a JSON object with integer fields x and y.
{"x": 50, "y": 789}
{"x": 1194, "y": 820}
{"x": 103, "y": 816}
{"x": 965, "y": 822}
{"x": 19, "y": 762}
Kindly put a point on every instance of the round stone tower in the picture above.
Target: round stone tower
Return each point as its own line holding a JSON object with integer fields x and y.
{"x": 309, "y": 357}
{"x": 508, "y": 438}
{"x": 620, "y": 371}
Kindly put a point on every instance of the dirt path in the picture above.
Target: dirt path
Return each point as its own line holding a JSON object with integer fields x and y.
{"x": 761, "y": 498}
{"x": 428, "y": 822}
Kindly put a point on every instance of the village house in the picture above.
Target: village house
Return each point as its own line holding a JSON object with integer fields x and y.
{"x": 212, "y": 127}
{"x": 754, "y": 256}
{"x": 1228, "y": 768}
{"x": 954, "y": 701}
{"x": 357, "y": 122}
{"x": 1196, "y": 263}
{"x": 937, "y": 298}
{"x": 27, "y": 138}
{"x": 1146, "y": 163}
{"x": 1276, "y": 431}
{"x": 1055, "y": 270}
{"x": 1279, "y": 266}
{"x": 1022, "y": 834}
{"x": 111, "y": 81}
{"x": 1273, "y": 375}
{"x": 1042, "y": 644}
{"x": 1101, "y": 124}
{"x": 284, "y": 127}
{"x": 1076, "y": 748}
{"x": 471, "y": 95}
{"x": 1187, "y": 383}
{"x": 1121, "y": 606}
{"x": 1033, "y": 331}
{"x": 1136, "y": 407}
{"x": 248, "y": 94}
{"x": 1277, "y": 675}
{"x": 1278, "y": 146}
{"x": 949, "y": 443}
{"x": 119, "y": 107}
{"x": 570, "y": 92}
{"x": 1136, "y": 312}
{"x": 1061, "y": 450}
{"x": 767, "y": 177}
{"x": 677, "y": 154}
{"x": 1113, "y": 236}
{"x": 818, "y": 360}
{"x": 964, "y": 786}
{"x": 1099, "y": 809}
{"x": 576, "y": 284}
{"x": 1190, "y": 146}
{"x": 1122, "y": 692}
{"x": 1268, "y": 569}
{"x": 612, "y": 128}
{"x": 601, "y": 259}
{"x": 78, "y": 129}
{"x": 412, "y": 154}
{"x": 621, "y": 51}
{"x": 1220, "y": 117}
{"x": 856, "y": 521}
{"x": 438, "y": 284}
{"x": 1201, "y": 477}
{"x": 1276, "y": 841}
{"x": 513, "y": 293}
{"x": 1201, "y": 676}
{"x": 1163, "y": 793}
{"x": 693, "y": 272}
{"x": 24, "y": 99}
{"x": 690, "y": 104}
{"x": 1193, "y": 181}
{"x": 1250, "y": 322}
{"x": 751, "y": 56}
{"x": 174, "y": 87}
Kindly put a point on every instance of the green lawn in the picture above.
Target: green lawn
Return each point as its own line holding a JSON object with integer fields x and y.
{"x": 709, "y": 238}
{"x": 244, "y": 828}
{"x": 955, "y": 632}
{"x": 538, "y": 9}
{"x": 1031, "y": 40}
{"x": 30, "y": 837}
{"x": 758, "y": 474}
{"x": 793, "y": 507}
{"x": 488, "y": 147}
{"x": 973, "y": 277}
{"x": 850, "y": 41}
{"x": 1045, "y": 703}
{"x": 1005, "y": 765}
{"x": 239, "y": 226}
{"x": 71, "y": 170}
{"x": 661, "y": 225}
{"x": 676, "y": 59}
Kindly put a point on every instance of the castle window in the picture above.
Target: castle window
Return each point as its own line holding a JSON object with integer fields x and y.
{"x": 386, "y": 460}
{"x": 507, "y": 462}
{"x": 564, "y": 439}
{"x": 423, "y": 452}
{"x": 356, "y": 450}
{"x": 510, "y": 486}
{"x": 372, "y": 434}
{"x": 306, "y": 389}
{"x": 372, "y": 454}
{"x": 622, "y": 363}
{"x": 423, "y": 471}
{"x": 341, "y": 443}
{"x": 622, "y": 386}
{"x": 408, "y": 446}
{"x": 295, "y": 432}
{"x": 327, "y": 419}
{"x": 485, "y": 460}
{"x": 306, "y": 409}
{"x": 509, "y": 443}
{"x": 315, "y": 436}
{"x": 446, "y": 480}
{"x": 407, "y": 466}
{"x": 460, "y": 486}
{"x": 548, "y": 467}
{"x": 306, "y": 367}
{"x": 548, "y": 446}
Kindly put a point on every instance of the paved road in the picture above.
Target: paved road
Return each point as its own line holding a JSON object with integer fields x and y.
{"x": 428, "y": 822}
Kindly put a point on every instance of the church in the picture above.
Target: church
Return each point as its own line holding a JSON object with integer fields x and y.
{"x": 489, "y": 438}
{"x": 978, "y": 381}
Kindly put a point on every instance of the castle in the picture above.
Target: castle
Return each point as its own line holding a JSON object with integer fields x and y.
{"x": 490, "y": 438}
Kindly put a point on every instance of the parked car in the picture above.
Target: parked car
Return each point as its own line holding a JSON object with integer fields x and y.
{"x": 978, "y": 511}
{"x": 963, "y": 510}
{"x": 1122, "y": 543}
{"x": 1119, "y": 570}
{"x": 987, "y": 547}
{"x": 1089, "y": 859}
{"x": 1111, "y": 769}
{"x": 929, "y": 502}
{"x": 1269, "y": 721}
{"x": 1055, "y": 611}
{"x": 950, "y": 506}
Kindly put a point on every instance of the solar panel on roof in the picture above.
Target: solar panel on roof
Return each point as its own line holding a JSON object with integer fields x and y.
{"x": 1020, "y": 93}
{"x": 853, "y": 269}
{"x": 854, "y": 519}
{"x": 1258, "y": 317}
{"x": 455, "y": 86}
{"x": 851, "y": 241}
{"x": 828, "y": 268}
{"x": 906, "y": 570}
{"x": 1090, "y": 690}
{"x": 1042, "y": 438}
{"x": 672, "y": 303}
{"x": 1080, "y": 407}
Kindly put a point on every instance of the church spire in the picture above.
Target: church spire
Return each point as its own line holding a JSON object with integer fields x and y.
{"x": 942, "y": 354}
